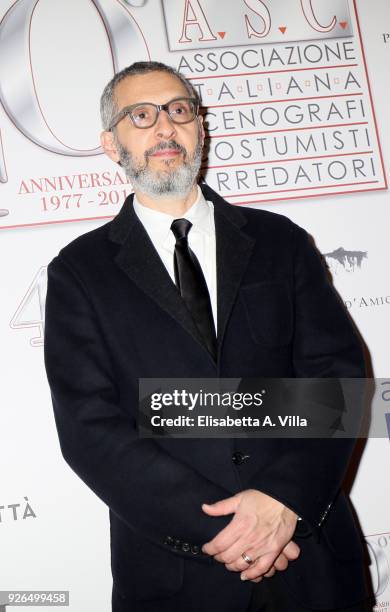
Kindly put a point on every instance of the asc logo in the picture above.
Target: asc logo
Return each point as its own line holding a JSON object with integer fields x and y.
{"x": 195, "y": 24}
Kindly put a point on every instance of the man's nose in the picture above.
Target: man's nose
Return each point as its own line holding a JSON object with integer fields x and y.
{"x": 165, "y": 128}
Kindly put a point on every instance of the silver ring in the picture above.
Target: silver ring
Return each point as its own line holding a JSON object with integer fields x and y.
{"x": 246, "y": 558}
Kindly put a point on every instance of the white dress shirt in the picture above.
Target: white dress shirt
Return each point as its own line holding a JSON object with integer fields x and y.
{"x": 201, "y": 239}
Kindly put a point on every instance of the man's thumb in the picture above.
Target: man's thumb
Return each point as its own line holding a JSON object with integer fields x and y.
{"x": 222, "y": 507}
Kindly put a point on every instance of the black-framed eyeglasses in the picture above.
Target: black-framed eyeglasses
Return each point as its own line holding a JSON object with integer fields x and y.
{"x": 145, "y": 114}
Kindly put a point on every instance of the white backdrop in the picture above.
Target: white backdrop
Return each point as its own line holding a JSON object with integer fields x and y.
{"x": 250, "y": 64}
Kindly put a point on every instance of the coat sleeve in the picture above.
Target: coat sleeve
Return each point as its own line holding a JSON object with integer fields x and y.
{"x": 306, "y": 474}
{"x": 144, "y": 486}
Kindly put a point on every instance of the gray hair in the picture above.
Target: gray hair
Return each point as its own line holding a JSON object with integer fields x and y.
{"x": 108, "y": 105}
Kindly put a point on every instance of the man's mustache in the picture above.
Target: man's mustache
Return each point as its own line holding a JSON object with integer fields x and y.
{"x": 162, "y": 146}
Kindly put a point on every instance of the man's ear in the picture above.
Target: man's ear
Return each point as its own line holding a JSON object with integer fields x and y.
{"x": 108, "y": 146}
{"x": 201, "y": 128}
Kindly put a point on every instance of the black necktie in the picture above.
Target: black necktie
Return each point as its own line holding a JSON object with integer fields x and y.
{"x": 192, "y": 285}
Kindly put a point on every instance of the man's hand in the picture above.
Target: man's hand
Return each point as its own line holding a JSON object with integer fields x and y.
{"x": 262, "y": 528}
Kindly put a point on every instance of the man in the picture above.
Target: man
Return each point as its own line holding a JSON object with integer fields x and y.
{"x": 182, "y": 285}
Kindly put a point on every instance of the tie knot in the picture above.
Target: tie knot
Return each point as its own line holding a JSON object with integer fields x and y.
{"x": 180, "y": 228}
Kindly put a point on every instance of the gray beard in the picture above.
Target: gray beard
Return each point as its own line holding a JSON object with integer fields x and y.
{"x": 176, "y": 183}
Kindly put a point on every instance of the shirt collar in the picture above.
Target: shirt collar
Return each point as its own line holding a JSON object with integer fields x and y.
{"x": 158, "y": 224}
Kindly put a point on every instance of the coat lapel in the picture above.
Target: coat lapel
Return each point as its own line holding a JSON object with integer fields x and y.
{"x": 141, "y": 263}
{"x": 234, "y": 250}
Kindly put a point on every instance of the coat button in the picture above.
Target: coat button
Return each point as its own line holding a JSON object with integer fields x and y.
{"x": 303, "y": 529}
{"x": 185, "y": 547}
{"x": 195, "y": 549}
{"x": 169, "y": 541}
{"x": 239, "y": 458}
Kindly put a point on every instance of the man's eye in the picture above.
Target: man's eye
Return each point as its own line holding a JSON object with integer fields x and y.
{"x": 141, "y": 114}
{"x": 179, "y": 108}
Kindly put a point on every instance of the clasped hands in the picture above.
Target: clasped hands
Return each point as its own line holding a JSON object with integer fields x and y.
{"x": 261, "y": 527}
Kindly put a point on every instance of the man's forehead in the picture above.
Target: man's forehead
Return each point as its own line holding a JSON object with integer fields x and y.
{"x": 156, "y": 86}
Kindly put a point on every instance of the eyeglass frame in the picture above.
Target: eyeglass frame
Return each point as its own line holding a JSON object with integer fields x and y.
{"x": 127, "y": 110}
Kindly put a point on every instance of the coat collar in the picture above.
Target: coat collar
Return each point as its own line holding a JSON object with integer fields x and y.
{"x": 139, "y": 259}
{"x": 126, "y": 219}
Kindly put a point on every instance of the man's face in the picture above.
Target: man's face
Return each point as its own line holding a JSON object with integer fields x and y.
{"x": 164, "y": 159}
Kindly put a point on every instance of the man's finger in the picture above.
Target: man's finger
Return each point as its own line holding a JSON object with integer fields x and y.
{"x": 259, "y": 567}
{"x": 234, "y": 554}
{"x": 281, "y": 563}
{"x": 236, "y": 562}
{"x": 291, "y": 551}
